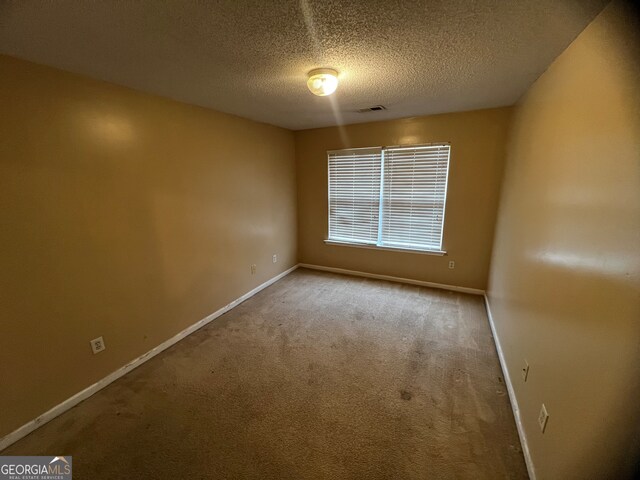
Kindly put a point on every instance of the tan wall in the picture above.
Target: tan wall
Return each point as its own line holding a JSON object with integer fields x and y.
{"x": 565, "y": 277}
{"x": 123, "y": 215}
{"x": 478, "y": 142}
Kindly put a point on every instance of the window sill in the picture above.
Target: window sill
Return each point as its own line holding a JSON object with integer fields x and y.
{"x": 438, "y": 253}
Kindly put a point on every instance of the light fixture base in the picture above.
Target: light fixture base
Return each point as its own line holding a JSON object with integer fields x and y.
{"x": 322, "y": 81}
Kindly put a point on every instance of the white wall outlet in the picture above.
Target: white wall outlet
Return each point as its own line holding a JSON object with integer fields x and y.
{"x": 452, "y": 264}
{"x": 543, "y": 418}
{"x": 253, "y": 269}
{"x": 97, "y": 345}
{"x": 275, "y": 258}
{"x": 525, "y": 371}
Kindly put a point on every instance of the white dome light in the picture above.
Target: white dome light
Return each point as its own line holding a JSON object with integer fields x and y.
{"x": 322, "y": 81}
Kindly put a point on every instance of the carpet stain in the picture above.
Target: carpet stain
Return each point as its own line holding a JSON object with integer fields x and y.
{"x": 404, "y": 395}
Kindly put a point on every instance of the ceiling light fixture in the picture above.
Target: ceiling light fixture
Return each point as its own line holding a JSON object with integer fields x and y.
{"x": 322, "y": 81}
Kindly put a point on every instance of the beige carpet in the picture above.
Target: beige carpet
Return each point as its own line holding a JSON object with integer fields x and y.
{"x": 320, "y": 376}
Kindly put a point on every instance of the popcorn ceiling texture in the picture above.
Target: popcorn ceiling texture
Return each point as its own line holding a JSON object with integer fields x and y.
{"x": 251, "y": 57}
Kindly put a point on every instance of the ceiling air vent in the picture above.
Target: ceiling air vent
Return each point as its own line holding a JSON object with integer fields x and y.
{"x": 375, "y": 108}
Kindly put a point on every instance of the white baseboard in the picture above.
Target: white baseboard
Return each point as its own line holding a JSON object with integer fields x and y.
{"x": 512, "y": 395}
{"x": 71, "y": 402}
{"x": 473, "y": 291}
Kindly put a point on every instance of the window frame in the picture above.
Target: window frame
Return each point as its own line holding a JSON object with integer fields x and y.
{"x": 424, "y": 251}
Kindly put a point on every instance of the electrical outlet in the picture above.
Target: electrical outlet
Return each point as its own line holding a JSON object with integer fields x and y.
{"x": 543, "y": 418}
{"x": 253, "y": 269}
{"x": 452, "y": 264}
{"x": 275, "y": 258}
{"x": 525, "y": 371}
{"x": 97, "y": 345}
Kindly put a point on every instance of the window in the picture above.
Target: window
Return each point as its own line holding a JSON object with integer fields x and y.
{"x": 392, "y": 197}
{"x": 354, "y": 195}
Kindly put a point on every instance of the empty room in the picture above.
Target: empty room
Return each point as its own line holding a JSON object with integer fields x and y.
{"x": 320, "y": 239}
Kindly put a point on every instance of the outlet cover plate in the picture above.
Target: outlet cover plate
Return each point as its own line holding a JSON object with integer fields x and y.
{"x": 97, "y": 345}
{"x": 525, "y": 371}
{"x": 543, "y": 418}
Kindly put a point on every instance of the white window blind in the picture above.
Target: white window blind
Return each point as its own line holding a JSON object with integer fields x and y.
{"x": 354, "y": 195}
{"x": 414, "y": 192}
{"x": 391, "y": 197}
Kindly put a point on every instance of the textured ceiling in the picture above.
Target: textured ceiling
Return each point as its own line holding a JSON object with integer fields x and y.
{"x": 251, "y": 57}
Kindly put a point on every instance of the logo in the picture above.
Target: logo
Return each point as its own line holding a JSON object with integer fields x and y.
{"x": 36, "y": 468}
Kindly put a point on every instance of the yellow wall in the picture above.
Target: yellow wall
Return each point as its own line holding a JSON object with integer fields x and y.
{"x": 565, "y": 277}
{"x": 123, "y": 215}
{"x": 478, "y": 141}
